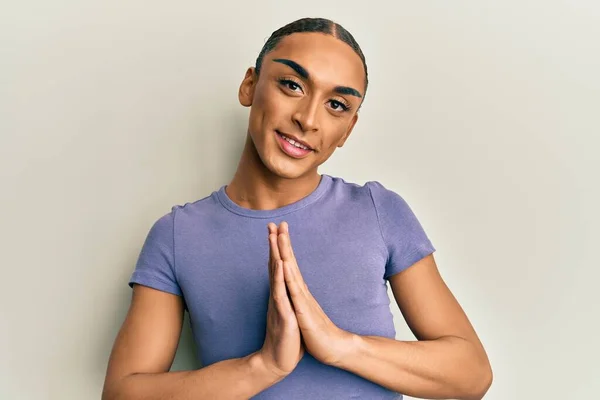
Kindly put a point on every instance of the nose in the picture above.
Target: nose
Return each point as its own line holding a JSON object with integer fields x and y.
{"x": 306, "y": 115}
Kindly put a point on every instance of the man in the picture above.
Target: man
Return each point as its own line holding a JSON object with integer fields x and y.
{"x": 283, "y": 271}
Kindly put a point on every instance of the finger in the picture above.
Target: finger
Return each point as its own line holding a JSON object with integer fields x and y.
{"x": 273, "y": 258}
{"x": 293, "y": 286}
{"x": 275, "y": 254}
{"x": 285, "y": 247}
{"x": 272, "y": 227}
{"x": 273, "y": 246}
{"x": 293, "y": 270}
{"x": 285, "y": 229}
{"x": 280, "y": 295}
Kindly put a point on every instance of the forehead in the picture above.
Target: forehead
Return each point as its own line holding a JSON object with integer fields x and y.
{"x": 327, "y": 59}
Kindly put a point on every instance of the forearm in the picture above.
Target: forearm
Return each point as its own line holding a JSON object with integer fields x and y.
{"x": 238, "y": 378}
{"x": 449, "y": 367}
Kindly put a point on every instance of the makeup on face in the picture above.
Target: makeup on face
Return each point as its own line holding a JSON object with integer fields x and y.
{"x": 291, "y": 147}
{"x": 300, "y": 70}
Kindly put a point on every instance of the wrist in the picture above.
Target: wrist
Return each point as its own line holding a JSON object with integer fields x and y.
{"x": 348, "y": 346}
{"x": 260, "y": 369}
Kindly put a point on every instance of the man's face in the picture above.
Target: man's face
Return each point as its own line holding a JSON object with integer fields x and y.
{"x": 309, "y": 89}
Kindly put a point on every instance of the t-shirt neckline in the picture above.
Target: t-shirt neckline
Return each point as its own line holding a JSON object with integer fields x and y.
{"x": 229, "y": 204}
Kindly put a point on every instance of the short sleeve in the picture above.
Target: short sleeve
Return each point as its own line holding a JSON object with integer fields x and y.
{"x": 155, "y": 266}
{"x": 402, "y": 232}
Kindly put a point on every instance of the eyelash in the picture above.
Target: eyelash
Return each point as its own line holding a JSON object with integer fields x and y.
{"x": 345, "y": 107}
{"x": 286, "y": 82}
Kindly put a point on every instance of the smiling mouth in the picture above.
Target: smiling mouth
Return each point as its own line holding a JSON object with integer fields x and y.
{"x": 293, "y": 142}
{"x": 292, "y": 148}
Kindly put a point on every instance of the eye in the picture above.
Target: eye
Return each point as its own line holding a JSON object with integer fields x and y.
{"x": 338, "y": 106}
{"x": 290, "y": 84}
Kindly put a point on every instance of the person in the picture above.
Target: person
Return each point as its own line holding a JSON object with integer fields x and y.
{"x": 284, "y": 270}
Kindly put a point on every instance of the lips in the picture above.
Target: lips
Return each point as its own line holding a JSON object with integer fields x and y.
{"x": 289, "y": 149}
{"x": 285, "y": 135}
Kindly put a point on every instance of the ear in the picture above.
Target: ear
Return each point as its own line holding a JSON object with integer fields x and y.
{"x": 246, "y": 92}
{"x": 349, "y": 131}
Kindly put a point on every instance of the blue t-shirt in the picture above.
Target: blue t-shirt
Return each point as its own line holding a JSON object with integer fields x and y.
{"x": 348, "y": 239}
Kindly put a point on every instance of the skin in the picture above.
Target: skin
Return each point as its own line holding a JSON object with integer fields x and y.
{"x": 282, "y": 349}
{"x": 304, "y": 94}
{"x": 426, "y": 368}
{"x": 309, "y": 109}
{"x": 267, "y": 178}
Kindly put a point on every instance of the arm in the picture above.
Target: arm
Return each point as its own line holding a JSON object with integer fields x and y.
{"x": 145, "y": 348}
{"x": 447, "y": 361}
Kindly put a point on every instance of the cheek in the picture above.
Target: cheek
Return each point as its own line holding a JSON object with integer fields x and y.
{"x": 336, "y": 131}
{"x": 259, "y": 112}
{"x": 278, "y": 107}
{"x": 269, "y": 100}
{"x": 266, "y": 114}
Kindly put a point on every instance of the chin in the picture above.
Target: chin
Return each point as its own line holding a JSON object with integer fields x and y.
{"x": 286, "y": 171}
{"x": 285, "y": 168}
{"x": 281, "y": 165}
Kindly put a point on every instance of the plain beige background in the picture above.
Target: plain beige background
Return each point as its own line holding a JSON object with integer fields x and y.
{"x": 484, "y": 116}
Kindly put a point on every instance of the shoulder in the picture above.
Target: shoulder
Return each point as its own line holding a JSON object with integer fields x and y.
{"x": 386, "y": 200}
{"x": 184, "y": 213}
{"x": 351, "y": 190}
{"x": 395, "y": 216}
{"x": 380, "y": 196}
{"x": 193, "y": 209}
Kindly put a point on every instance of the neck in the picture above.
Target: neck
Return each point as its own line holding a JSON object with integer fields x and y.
{"x": 255, "y": 187}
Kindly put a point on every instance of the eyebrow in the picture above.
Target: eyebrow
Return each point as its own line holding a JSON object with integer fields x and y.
{"x": 304, "y": 74}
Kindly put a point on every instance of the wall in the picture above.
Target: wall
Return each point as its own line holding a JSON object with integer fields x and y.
{"x": 483, "y": 115}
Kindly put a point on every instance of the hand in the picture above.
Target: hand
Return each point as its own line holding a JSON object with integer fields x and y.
{"x": 282, "y": 349}
{"x": 322, "y": 338}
